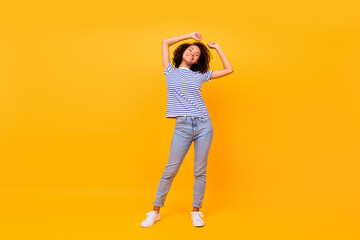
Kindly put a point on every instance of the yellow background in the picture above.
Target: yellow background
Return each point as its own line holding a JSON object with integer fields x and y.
{"x": 84, "y": 138}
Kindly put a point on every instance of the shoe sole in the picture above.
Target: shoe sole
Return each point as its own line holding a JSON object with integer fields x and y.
{"x": 198, "y": 225}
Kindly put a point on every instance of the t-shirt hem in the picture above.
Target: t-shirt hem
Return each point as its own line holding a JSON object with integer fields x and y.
{"x": 207, "y": 117}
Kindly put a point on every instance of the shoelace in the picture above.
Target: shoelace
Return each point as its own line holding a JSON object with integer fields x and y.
{"x": 200, "y": 213}
{"x": 154, "y": 213}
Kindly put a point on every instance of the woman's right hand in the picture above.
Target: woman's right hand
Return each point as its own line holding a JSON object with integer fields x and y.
{"x": 196, "y": 36}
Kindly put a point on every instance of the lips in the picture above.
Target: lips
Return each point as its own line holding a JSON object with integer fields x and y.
{"x": 190, "y": 57}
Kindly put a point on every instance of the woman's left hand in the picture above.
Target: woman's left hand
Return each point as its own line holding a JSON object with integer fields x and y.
{"x": 213, "y": 45}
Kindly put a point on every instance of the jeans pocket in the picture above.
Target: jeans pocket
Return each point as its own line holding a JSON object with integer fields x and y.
{"x": 179, "y": 120}
{"x": 204, "y": 120}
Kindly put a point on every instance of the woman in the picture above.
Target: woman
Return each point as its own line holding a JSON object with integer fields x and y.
{"x": 193, "y": 123}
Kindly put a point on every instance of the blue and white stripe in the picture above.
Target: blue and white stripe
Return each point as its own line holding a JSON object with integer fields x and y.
{"x": 184, "y": 92}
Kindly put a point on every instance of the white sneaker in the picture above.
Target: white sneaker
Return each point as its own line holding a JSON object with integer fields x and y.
{"x": 196, "y": 218}
{"x": 151, "y": 218}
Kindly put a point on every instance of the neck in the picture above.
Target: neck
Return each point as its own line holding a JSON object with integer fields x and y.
{"x": 184, "y": 65}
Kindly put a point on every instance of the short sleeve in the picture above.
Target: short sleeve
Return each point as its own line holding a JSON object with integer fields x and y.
{"x": 207, "y": 75}
{"x": 169, "y": 68}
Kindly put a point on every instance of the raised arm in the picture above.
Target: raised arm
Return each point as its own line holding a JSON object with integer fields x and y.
{"x": 167, "y": 42}
{"x": 227, "y": 66}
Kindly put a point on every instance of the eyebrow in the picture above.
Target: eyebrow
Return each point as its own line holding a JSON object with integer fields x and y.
{"x": 195, "y": 51}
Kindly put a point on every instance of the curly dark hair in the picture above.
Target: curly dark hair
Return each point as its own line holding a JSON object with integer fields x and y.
{"x": 204, "y": 60}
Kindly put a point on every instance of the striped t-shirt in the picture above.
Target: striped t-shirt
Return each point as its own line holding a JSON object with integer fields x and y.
{"x": 184, "y": 92}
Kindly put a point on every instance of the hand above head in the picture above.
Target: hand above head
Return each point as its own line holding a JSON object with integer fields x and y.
{"x": 196, "y": 36}
{"x": 213, "y": 45}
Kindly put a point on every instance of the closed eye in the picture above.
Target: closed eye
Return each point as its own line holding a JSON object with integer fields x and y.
{"x": 195, "y": 53}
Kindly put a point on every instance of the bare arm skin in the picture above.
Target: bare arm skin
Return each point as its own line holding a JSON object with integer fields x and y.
{"x": 227, "y": 66}
{"x": 167, "y": 42}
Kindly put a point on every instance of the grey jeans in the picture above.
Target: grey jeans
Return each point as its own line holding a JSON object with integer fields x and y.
{"x": 187, "y": 129}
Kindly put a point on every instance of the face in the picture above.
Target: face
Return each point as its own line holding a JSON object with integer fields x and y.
{"x": 192, "y": 54}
